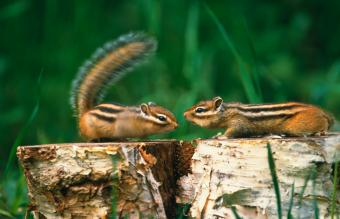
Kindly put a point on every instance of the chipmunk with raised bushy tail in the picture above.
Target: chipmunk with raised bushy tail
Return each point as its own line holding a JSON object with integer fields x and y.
{"x": 113, "y": 121}
{"x": 246, "y": 120}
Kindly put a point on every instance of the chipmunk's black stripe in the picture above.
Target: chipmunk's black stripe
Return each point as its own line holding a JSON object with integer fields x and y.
{"x": 253, "y": 108}
{"x": 266, "y": 109}
{"x": 104, "y": 118}
{"x": 107, "y": 109}
{"x": 271, "y": 116}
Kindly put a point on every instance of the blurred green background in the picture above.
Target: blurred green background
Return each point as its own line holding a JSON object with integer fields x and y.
{"x": 247, "y": 51}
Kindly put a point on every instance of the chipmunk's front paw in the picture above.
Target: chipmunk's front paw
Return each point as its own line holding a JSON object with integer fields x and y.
{"x": 275, "y": 136}
{"x": 319, "y": 134}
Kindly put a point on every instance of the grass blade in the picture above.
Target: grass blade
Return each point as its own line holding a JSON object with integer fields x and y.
{"x": 303, "y": 191}
{"x": 246, "y": 79}
{"x": 13, "y": 10}
{"x": 236, "y": 215}
{"x": 191, "y": 42}
{"x": 5, "y": 213}
{"x": 19, "y": 194}
{"x": 256, "y": 74}
{"x": 335, "y": 183}
{"x": 291, "y": 201}
{"x": 23, "y": 131}
{"x": 275, "y": 180}
{"x": 153, "y": 15}
{"x": 183, "y": 211}
{"x": 315, "y": 202}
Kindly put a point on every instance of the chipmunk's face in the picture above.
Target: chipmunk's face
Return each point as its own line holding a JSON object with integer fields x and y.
{"x": 160, "y": 119}
{"x": 205, "y": 113}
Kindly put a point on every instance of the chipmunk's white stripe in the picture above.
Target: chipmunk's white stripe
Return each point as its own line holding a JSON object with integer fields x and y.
{"x": 270, "y": 113}
{"x": 113, "y": 106}
{"x": 266, "y": 107}
{"x": 108, "y": 114}
{"x": 207, "y": 113}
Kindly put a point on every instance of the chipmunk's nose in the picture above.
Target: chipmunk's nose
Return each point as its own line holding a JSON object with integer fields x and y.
{"x": 186, "y": 114}
{"x": 175, "y": 124}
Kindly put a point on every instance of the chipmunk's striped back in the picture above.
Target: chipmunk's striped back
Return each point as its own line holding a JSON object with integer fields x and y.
{"x": 259, "y": 112}
{"x": 107, "y": 65}
{"x": 242, "y": 120}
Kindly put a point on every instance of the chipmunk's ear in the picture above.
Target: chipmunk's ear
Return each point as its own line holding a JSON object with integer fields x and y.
{"x": 217, "y": 102}
{"x": 145, "y": 108}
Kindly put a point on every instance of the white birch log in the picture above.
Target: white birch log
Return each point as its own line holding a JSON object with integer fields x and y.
{"x": 238, "y": 170}
{"x": 77, "y": 180}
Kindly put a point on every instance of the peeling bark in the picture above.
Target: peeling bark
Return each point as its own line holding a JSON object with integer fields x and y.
{"x": 146, "y": 179}
{"x": 76, "y": 180}
{"x": 235, "y": 172}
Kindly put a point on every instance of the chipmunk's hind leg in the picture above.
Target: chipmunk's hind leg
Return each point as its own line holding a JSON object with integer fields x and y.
{"x": 306, "y": 123}
{"x": 238, "y": 132}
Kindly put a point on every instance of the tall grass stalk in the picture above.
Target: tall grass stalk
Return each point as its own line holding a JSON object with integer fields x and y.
{"x": 291, "y": 202}
{"x": 335, "y": 183}
{"x": 255, "y": 72}
{"x": 22, "y": 132}
{"x": 19, "y": 194}
{"x": 20, "y": 183}
{"x": 315, "y": 202}
{"x": 236, "y": 215}
{"x": 303, "y": 191}
{"x": 275, "y": 180}
{"x": 153, "y": 14}
{"x": 5, "y": 213}
{"x": 245, "y": 75}
{"x": 191, "y": 42}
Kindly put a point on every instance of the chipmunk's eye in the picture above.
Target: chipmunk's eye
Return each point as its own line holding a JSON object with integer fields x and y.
{"x": 200, "y": 110}
{"x": 161, "y": 118}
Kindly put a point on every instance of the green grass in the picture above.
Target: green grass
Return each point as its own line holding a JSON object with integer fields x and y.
{"x": 272, "y": 169}
{"x": 315, "y": 201}
{"x": 335, "y": 183}
{"x": 236, "y": 215}
{"x": 291, "y": 203}
{"x": 249, "y": 51}
{"x": 18, "y": 194}
{"x": 248, "y": 83}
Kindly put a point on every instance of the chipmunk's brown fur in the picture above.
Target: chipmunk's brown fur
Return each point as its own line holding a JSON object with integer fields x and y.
{"x": 106, "y": 66}
{"x": 244, "y": 120}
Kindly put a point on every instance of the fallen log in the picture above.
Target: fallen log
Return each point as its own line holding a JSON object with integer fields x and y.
{"x": 146, "y": 179}
{"x": 78, "y": 180}
{"x": 235, "y": 173}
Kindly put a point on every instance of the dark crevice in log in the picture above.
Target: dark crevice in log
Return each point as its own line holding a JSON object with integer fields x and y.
{"x": 77, "y": 180}
{"x": 164, "y": 172}
{"x": 183, "y": 155}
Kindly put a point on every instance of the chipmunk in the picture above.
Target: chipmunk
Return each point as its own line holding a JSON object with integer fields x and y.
{"x": 113, "y": 121}
{"x": 246, "y": 120}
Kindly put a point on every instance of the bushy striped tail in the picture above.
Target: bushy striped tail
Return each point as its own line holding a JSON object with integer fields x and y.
{"x": 106, "y": 66}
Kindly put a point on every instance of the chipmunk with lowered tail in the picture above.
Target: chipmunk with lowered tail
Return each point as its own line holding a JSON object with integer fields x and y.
{"x": 246, "y": 120}
{"x": 113, "y": 121}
